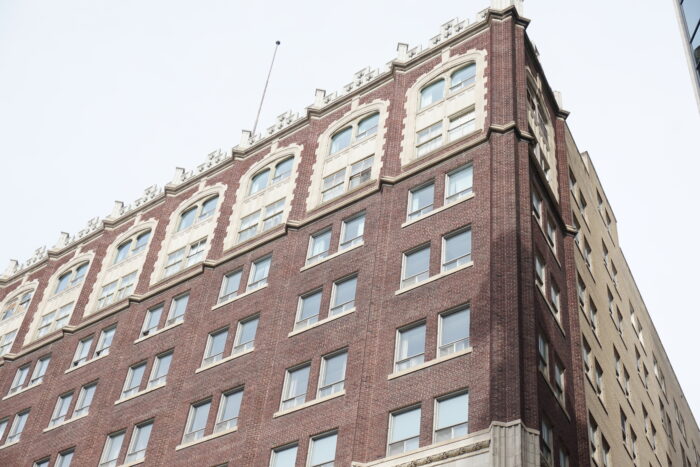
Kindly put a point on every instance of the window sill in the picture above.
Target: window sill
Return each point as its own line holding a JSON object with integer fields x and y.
{"x": 434, "y": 278}
{"x": 554, "y": 393}
{"x": 319, "y": 323}
{"x": 346, "y": 150}
{"x": 65, "y": 422}
{"x": 7, "y": 445}
{"x": 94, "y": 359}
{"x": 552, "y": 310}
{"x": 20, "y": 391}
{"x": 130, "y": 464}
{"x": 159, "y": 331}
{"x": 330, "y": 257}
{"x": 140, "y": 393}
{"x": 223, "y": 360}
{"x": 238, "y": 297}
{"x": 206, "y": 438}
{"x": 429, "y": 363}
{"x": 308, "y": 404}
{"x": 437, "y": 210}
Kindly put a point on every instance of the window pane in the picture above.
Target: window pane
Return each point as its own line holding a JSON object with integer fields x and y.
{"x": 320, "y": 244}
{"x": 209, "y": 207}
{"x": 341, "y": 140}
{"x": 63, "y": 282}
{"x": 344, "y": 295}
{"x": 232, "y": 282}
{"x": 178, "y": 307}
{"x": 259, "y": 181}
{"x": 85, "y": 400}
{"x": 454, "y": 331}
{"x": 310, "y": 306}
{"x": 285, "y": 457}
{"x": 198, "y": 420}
{"x": 134, "y": 379}
{"x": 411, "y": 342}
{"x": 122, "y": 251}
{"x": 405, "y": 425}
{"x": 141, "y": 242}
{"x": 368, "y": 126}
{"x": 216, "y": 344}
{"x": 64, "y": 459}
{"x": 417, "y": 262}
{"x": 139, "y": 442}
{"x": 453, "y": 411}
{"x": 152, "y": 320}
{"x": 162, "y": 368}
{"x": 458, "y": 249}
{"x": 334, "y": 369}
{"x": 248, "y": 330}
{"x": 459, "y": 183}
{"x": 420, "y": 200}
{"x": 333, "y": 185}
{"x": 283, "y": 169}
{"x": 231, "y": 404}
{"x": 112, "y": 448}
{"x": 40, "y": 370}
{"x": 432, "y": 93}
{"x": 353, "y": 230}
{"x": 463, "y": 77}
{"x": 323, "y": 449}
{"x": 691, "y": 11}
{"x": 298, "y": 382}
{"x": 187, "y": 218}
{"x": 261, "y": 268}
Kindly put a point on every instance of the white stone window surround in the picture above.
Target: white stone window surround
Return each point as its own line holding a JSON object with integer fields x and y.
{"x": 246, "y": 204}
{"x": 548, "y": 150}
{"x": 14, "y": 322}
{"x": 52, "y": 301}
{"x": 111, "y": 272}
{"x": 327, "y": 164}
{"x": 455, "y": 102}
{"x": 174, "y": 240}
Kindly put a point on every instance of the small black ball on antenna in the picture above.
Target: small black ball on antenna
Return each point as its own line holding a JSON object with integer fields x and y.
{"x": 277, "y": 42}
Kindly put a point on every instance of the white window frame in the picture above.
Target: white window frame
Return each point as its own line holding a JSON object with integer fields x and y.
{"x": 80, "y": 406}
{"x": 100, "y": 349}
{"x": 17, "y": 428}
{"x": 312, "y": 240}
{"x": 421, "y": 276}
{"x": 462, "y": 260}
{"x": 411, "y": 215}
{"x": 37, "y": 377}
{"x": 191, "y": 435}
{"x": 450, "y": 348}
{"x": 392, "y": 421}
{"x": 59, "y": 318}
{"x": 21, "y": 377}
{"x": 291, "y": 402}
{"x": 300, "y": 323}
{"x": 199, "y": 214}
{"x": 82, "y": 350}
{"x": 239, "y": 346}
{"x": 117, "y": 290}
{"x": 210, "y": 359}
{"x": 262, "y": 220}
{"x": 452, "y": 428}
{"x": 129, "y": 390}
{"x": 253, "y": 285}
{"x": 172, "y": 319}
{"x": 342, "y": 307}
{"x": 56, "y": 416}
{"x": 75, "y": 276}
{"x": 109, "y": 442}
{"x": 348, "y": 243}
{"x": 223, "y": 296}
{"x": 229, "y": 424}
{"x": 131, "y": 454}
{"x": 336, "y": 386}
{"x": 134, "y": 248}
{"x": 150, "y": 312}
{"x": 454, "y": 197}
{"x": 276, "y": 451}
{"x": 312, "y": 443}
{"x": 409, "y": 361}
{"x": 157, "y": 362}
{"x": 187, "y": 256}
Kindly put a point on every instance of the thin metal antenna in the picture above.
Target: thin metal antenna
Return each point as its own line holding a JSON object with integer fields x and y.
{"x": 262, "y": 99}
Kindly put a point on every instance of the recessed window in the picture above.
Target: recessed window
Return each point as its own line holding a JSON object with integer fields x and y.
{"x": 322, "y": 450}
{"x": 459, "y": 183}
{"x": 105, "y": 341}
{"x": 65, "y": 458}
{"x": 139, "y": 442}
{"x": 283, "y": 169}
{"x": 215, "y": 347}
{"x": 361, "y": 129}
{"x": 133, "y": 246}
{"x": 352, "y": 231}
{"x": 461, "y": 124}
{"x": 285, "y": 456}
{"x": 341, "y": 140}
{"x": 61, "y": 409}
{"x": 133, "y": 379}
{"x": 17, "y": 427}
{"x": 333, "y": 185}
{"x": 428, "y": 138}
{"x": 20, "y": 379}
{"x": 410, "y": 347}
{"x": 6, "y": 342}
{"x": 360, "y": 172}
{"x": 82, "y": 352}
{"x": 71, "y": 278}
{"x": 367, "y": 126}
{"x": 17, "y": 305}
{"x": 454, "y": 331}
{"x": 416, "y": 266}
{"x": 40, "y": 370}
{"x": 559, "y": 380}
{"x": 309, "y": 309}
{"x": 546, "y": 441}
{"x": 457, "y": 249}
{"x": 229, "y": 407}
{"x": 185, "y": 257}
{"x": 420, "y": 200}
{"x": 261, "y": 221}
{"x": 110, "y": 453}
{"x": 178, "y": 307}
{"x": 54, "y": 320}
{"x": 539, "y": 271}
{"x": 197, "y": 421}
{"x": 245, "y": 335}
{"x": 197, "y": 213}
{"x": 555, "y": 299}
{"x": 82, "y": 406}
{"x": 42, "y": 462}
{"x": 404, "y": 431}
{"x": 259, "y": 181}
{"x": 230, "y": 285}
{"x": 432, "y": 93}
{"x": 116, "y": 290}
{"x": 336, "y": 183}
{"x": 463, "y": 77}
{"x": 295, "y": 387}
{"x": 319, "y": 246}
{"x": 332, "y": 379}
{"x": 543, "y": 355}
{"x": 452, "y": 417}
{"x": 160, "y": 370}
{"x": 551, "y": 234}
{"x": 259, "y": 272}
{"x": 536, "y": 204}
{"x": 152, "y": 320}
{"x": 343, "y": 295}
{"x": 3, "y": 426}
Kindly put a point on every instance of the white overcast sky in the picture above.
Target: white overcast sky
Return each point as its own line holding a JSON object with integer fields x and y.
{"x": 100, "y": 99}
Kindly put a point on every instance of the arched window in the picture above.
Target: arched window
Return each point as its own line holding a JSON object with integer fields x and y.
{"x": 17, "y": 305}
{"x": 197, "y": 213}
{"x": 458, "y": 80}
{"x": 463, "y": 77}
{"x": 356, "y": 131}
{"x": 341, "y": 140}
{"x": 259, "y": 182}
{"x": 283, "y": 169}
{"x": 72, "y": 277}
{"x": 367, "y": 126}
{"x": 133, "y": 246}
{"x": 432, "y": 93}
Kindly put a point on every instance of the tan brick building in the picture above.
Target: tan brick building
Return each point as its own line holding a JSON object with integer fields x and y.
{"x": 420, "y": 270}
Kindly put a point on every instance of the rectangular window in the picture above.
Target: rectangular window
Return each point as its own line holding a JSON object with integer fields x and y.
{"x": 546, "y": 441}
{"x": 273, "y": 215}
{"x": 117, "y": 290}
{"x": 404, "y": 431}
{"x": 333, "y": 185}
{"x": 197, "y": 421}
{"x": 161, "y": 366}
{"x": 416, "y": 266}
{"x": 82, "y": 352}
{"x": 196, "y": 253}
{"x": 536, "y": 204}
{"x": 42, "y": 463}
{"x": 457, "y": 249}
{"x": 229, "y": 407}
{"x": 133, "y": 379}
{"x": 322, "y": 450}
{"x": 284, "y": 457}
{"x": 139, "y": 442}
{"x": 174, "y": 262}
{"x": 40, "y": 370}
{"x": 420, "y": 200}
{"x": 6, "y": 342}
{"x": 551, "y": 232}
{"x": 20, "y": 379}
{"x": 459, "y": 183}
{"x": 352, "y": 231}
{"x": 17, "y": 427}
{"x": 54, "y": 320}
{"x": 177, "y": 309}
{"x": 343, "y": 295}
{"x": 61, "y": 409}
{"x": 105, "y": 341}
{"x": 245, "y": 335}
{"x": 110, "y": 453}
{"x": 259, "y": 272}
{"x": 410, "y": 347}
{"x": 230, "y": 285}
{"x": 454, "y": 331}
{"x": 555, "y": 299}
{"x": 360, "y": 172}
{"x": 332, "y": 378}
{"x": 309, "y": 309}
{"x": 152, "y": 320}
{"x": 428, "y": 139}
{"x": 3, "y": 427}
{"x": 249, "y": 226}
{"x": 215, "y": 347}
{"x": 593, "y": 315}
{"x": 85, "y": 397}
{"x": 539, "y": 271}
{"x": 64, "y": 458}
{"x": 319, "y": 245}
{"x": 452, "y": 417}
{"x": 543, "y": 355}
{"x": 598, "y": 381}
{"x": 461, "y": 125}
{"x": 296, "y": 384}
{"x": 559, "y": 380}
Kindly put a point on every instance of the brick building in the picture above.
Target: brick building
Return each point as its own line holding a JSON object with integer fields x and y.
{"x": 414, "y": 272}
